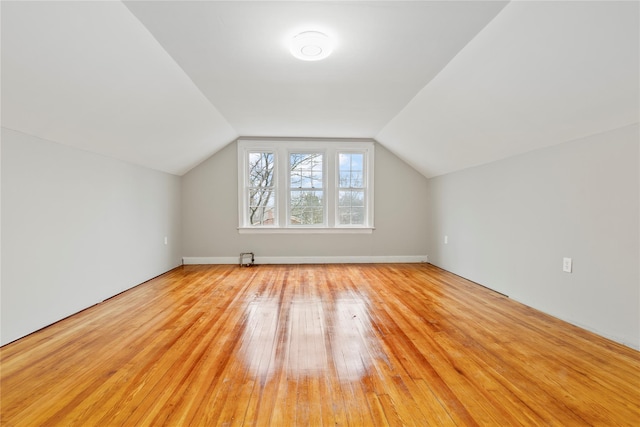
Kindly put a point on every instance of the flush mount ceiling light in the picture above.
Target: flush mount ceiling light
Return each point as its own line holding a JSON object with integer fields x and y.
{"x": 311, "y": 46}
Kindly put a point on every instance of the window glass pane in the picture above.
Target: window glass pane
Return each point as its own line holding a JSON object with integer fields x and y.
{"x": 357, "y": 216}
{"x": 261, "y": 169}
{"x": 351, "y": 207}
{"x": 356, "y": 179}
{"x": 262, "y": 208}
{"x": 306, "y": 170}
{"x": 351, "y": 216}
{"x": 306, "y": 207}
{"x": 345, "y": 179}
{"x": 351, "y": 170}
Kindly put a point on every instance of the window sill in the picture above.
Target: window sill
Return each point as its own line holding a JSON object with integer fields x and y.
{"x": 305, "y": 230}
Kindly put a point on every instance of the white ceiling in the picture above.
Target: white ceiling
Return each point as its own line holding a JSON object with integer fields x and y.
{"x": 444, "y": 85}
{"x": 539, "y": 74}
{"x": 88, "y": 74}
{"x": 237, "y": 53}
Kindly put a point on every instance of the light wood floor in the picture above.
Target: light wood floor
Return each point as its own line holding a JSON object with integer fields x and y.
{"x": 397, "y": 344}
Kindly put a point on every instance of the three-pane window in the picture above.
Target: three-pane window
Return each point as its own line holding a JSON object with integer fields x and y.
{"x": 317, "y": 185}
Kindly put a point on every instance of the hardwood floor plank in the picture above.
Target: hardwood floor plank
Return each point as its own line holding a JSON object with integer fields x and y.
{"x": 311, "y": 345}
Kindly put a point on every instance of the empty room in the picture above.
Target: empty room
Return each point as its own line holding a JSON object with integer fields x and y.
{"x": 345, "y": 213}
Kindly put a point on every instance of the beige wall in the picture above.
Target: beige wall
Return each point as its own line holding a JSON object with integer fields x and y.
{"x": 510, "y": 223}
{"x": 210, "y": 216}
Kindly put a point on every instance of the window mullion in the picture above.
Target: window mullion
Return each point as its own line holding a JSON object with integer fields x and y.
{"x": 282, "y": 179}
{"x": 331, "y": 186}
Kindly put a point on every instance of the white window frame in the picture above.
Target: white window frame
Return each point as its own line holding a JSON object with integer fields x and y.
{"x": 246, "y": 188}
{"x": 330, "y": 148}
{"x": 325, "y": 213}
{"x": 366, "y": 183}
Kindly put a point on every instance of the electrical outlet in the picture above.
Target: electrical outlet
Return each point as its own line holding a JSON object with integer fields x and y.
{"x": 446, "y": 240}
{"x": 166, "y": 240}
{"x": 567, "y": 265}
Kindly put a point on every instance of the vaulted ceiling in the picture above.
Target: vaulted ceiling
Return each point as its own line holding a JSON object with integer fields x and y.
{"x": 445, "y": 85}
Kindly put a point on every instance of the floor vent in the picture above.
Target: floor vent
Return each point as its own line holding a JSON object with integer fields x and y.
{"x": 246, "y": 259}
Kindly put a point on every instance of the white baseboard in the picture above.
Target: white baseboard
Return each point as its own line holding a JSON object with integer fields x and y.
{"x": 210, "y": 260}
{"x": 311, "y": 260}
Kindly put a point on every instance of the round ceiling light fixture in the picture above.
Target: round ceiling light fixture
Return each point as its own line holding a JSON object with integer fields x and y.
{"x": 311, "y": 46}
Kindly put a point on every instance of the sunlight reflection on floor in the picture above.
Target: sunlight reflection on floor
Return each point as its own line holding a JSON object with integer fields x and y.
{"x": 308, "y": 337}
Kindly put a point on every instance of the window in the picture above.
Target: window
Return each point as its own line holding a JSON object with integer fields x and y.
{"x": 351, "y": 189}
{"x": 261, "y": 188}
{"x": 305, "y": 186}
{"x": 306, "y": 189}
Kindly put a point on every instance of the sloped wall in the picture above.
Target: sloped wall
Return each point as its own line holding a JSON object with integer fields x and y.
{"x": 78, "y": 228}
{"x": 510, "y": 224}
